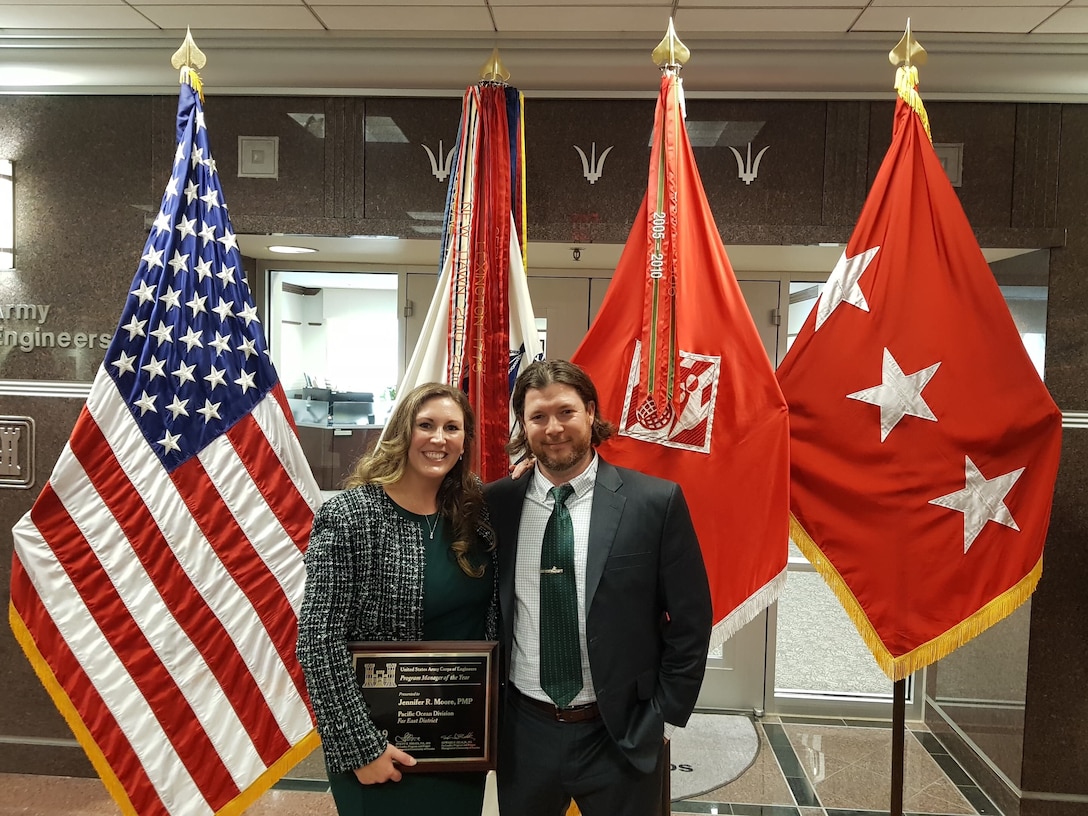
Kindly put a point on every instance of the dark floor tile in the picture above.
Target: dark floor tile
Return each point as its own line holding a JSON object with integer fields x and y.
{"x": 979, "y": 800}
{"x": 309, "y": 785}
{"x": 701, "y": 807}
{"x": 868, "y": 723}
{"x": 953, "y": 770}
{"x": 930, "y": 743}
{"x": 802, "y": 791}
{"x": 764, "y": 810}
{"x": 792, "y": 718}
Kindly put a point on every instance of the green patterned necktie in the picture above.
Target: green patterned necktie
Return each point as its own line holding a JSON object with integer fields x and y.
{"x": 560, "y": 657}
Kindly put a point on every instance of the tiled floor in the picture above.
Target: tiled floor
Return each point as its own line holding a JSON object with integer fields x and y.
{"x": 805, "y": 767}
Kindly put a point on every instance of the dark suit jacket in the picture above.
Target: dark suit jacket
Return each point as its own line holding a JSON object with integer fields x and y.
{"x": 648, "y": 609}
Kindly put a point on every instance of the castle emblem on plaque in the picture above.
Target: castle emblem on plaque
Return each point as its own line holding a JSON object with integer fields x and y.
{"x": 16, "y": 452}
{"x": 373, "y": 677}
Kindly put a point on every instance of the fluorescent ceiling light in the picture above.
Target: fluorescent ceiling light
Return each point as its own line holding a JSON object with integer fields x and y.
{"x": 290, "y": 250}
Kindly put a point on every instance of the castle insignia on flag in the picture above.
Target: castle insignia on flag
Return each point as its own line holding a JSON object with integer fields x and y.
{"x": 690, "y": 429}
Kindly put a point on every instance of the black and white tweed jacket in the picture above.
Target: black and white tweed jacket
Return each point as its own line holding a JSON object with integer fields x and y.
{"x": 364, "y": 581}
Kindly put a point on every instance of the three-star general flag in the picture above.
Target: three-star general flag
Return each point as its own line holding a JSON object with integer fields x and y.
{"x": 156, "y": 580}
{"x": 480, "y": 331}
{"x": 680, "y": 368}
{"x": 924, "y": 446}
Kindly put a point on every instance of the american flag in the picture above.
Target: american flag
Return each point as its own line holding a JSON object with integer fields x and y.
{"x": 156, "y": 580}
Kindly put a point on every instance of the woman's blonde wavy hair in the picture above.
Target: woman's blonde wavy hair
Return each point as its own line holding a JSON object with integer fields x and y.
{"x": 460, "y": 496}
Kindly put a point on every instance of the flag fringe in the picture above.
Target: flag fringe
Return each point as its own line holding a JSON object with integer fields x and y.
{"x": 898, "y": 668}
{"x": 747, "y": 611}
{"x": 906, "y": 85}
{"x": 266, "y": 780}
{"x": 68, "y": 711}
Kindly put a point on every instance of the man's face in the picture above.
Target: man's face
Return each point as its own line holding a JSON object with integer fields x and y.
{"x": 559, "y": 430}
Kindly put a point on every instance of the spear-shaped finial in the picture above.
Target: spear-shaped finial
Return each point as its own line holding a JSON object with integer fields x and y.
{"x": 907, "y": 55}
{"x": 493, "y": 70}
{"x": 189, "y": 59}
{"x": 908, "y": 51}
{"x": 670, "y": 52}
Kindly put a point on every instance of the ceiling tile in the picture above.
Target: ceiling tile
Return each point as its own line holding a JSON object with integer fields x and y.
{"x": 728, "y": 21}
{"x": 1065, "y": 21}
{"x": 223, "y": 17}
{"x": 969, "y": 3}
{"x": 372, "y": 3}
{"x": 42, "y": 15}
{"x": 405, "y": 18}
{"x": 139, "y": 3}
{"x": 856, "y": 5}
{"x": 595, "y": 19}
{"x": 978, "y": 19}
{"x": 656, "y": 4}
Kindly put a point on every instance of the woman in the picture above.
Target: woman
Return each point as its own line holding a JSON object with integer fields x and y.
{"x": 403, "y": 553}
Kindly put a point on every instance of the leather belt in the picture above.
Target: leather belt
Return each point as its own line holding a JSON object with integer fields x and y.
{"x": 571, "y": 714}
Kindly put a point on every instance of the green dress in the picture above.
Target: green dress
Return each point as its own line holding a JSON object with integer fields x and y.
{"x": 454, "y": 608}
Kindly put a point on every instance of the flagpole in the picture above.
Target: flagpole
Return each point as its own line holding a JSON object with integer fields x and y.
{"x": 905, "y": 56}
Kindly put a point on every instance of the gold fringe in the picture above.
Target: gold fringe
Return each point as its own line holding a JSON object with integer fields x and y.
{"x": 190, "y": 77}
{"x": 746, "y": 612}
{"x": 68, "y": 711}
{"x": 898, "y": 668}
{"x": 906, "y": 85}
{"x": 266, "y": 780}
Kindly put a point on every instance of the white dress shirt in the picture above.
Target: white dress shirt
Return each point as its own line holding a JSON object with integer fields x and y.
{"x": 525, "y": 657}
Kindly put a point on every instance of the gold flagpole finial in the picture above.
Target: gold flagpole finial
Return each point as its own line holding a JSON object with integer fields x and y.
{"x": 908, "y": 51}
{"x": 493, "y": 70}
{"x": 189, "y": 59}
{"x": 670, "y": 52}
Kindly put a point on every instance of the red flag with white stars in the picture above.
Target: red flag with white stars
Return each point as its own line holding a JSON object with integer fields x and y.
{"x": 924, "y": 446}
{"x": 679, "y": 367}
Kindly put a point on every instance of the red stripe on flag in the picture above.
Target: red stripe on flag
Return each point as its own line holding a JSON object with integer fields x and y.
{"x": 199, "y": 622}
{"x": 236, "y": 553}
{"x": 264, "y": 467}
{"x": 81, "y": 693}
{"x": 147, "y": 672}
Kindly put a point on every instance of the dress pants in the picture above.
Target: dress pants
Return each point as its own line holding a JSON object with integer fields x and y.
{"x": 544, "y": 763}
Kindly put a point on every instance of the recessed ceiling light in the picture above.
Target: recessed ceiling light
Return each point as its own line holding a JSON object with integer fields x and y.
{"x": 290, "y": 250}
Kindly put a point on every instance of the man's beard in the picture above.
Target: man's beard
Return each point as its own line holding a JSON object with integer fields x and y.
{"x": 561, "y": 464}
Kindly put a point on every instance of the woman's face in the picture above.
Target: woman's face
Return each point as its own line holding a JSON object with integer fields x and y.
{"x": 438, "y": 438}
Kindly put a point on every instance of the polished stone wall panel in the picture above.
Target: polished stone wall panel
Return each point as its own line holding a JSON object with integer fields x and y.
{"x": 846, "y": 161}
{"x": 562, "y": 204}
{"x": 302, "y": 189}
{"x": 789, "y": 188}
{"x": 397, "y": 177}
{"x": 1036, "y": 164}
{"x": 83, "y": 190}
{"x": 1056, "y": 717}
{"x": 35, "y": 714}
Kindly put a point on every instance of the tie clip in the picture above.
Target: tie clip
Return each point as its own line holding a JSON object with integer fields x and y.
{"x": 552, "y": 571}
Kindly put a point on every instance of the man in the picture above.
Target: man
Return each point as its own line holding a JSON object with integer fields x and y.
{"x": 606, "y": 645}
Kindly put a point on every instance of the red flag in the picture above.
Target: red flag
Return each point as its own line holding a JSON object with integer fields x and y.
{"x": 680, "y": 368}
{"x": 924, "y": 446}
{"x": 156, "y": 580}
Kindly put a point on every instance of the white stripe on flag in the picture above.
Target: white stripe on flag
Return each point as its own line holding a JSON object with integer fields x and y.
{"x": 201, "y": 564}
{"x": 268, "y": 414}
{"x": 93, "y": 651}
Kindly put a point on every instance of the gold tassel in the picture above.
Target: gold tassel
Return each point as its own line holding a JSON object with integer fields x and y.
{"x": 906, "y": 84}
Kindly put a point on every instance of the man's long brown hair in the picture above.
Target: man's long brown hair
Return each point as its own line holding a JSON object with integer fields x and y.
{"x": 540, "y": 375}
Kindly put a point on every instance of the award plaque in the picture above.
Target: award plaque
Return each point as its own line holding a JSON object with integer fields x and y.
{"x": 436, "y": 700}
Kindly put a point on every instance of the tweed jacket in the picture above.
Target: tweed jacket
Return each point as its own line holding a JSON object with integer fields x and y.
{"x": 364, "y": 581}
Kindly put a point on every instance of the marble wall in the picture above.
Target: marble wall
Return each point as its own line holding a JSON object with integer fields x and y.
{"x": 90, "y": 173}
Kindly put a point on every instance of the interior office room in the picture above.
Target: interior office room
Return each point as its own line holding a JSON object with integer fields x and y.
{"x": 330, "y": 123}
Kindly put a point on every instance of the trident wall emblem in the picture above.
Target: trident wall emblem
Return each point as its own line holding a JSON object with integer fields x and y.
{"x": 747, "y": 171}
{"x": 440, "y": 164}
{"x": 593, "y": 166}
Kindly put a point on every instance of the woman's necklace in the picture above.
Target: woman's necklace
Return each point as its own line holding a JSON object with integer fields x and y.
{"x": 431, "y": 527}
